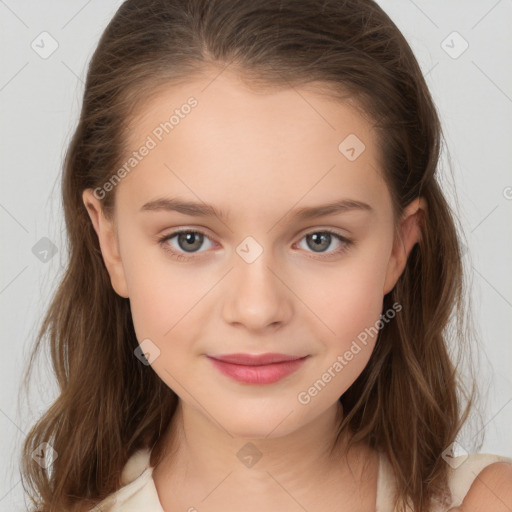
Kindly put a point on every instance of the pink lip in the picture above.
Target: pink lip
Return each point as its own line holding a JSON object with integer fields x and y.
{"x": 257, "y": 369}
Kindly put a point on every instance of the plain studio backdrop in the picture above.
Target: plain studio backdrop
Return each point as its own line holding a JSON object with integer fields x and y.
{"x": 464, "y": 48}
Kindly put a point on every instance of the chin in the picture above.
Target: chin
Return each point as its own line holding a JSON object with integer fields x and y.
{"x": 259, "y": 424}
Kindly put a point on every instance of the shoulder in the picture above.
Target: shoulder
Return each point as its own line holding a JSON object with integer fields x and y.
{"x": 491, "y": 489}
{"x": 481, "y": 481}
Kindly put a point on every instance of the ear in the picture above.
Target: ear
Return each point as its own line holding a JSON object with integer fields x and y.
{"x": 109, "y": 244}
{"x": 409, "y": 233}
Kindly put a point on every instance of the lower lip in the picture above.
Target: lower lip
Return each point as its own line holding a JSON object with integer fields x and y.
{"x": 264, "y": 374}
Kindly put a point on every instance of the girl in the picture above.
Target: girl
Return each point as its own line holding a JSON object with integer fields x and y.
{"x": 262, "y": 270}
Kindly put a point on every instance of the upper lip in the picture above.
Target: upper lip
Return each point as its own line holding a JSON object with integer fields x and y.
{"x": 255, "y": 359}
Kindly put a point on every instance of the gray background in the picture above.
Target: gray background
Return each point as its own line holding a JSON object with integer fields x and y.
{"x": 40, "y": 100}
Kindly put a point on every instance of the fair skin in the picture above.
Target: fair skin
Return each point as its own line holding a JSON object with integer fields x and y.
{"x": 257, "y": 157}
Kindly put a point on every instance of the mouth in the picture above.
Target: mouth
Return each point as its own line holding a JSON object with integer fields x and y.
{"x": 257, "y": 369}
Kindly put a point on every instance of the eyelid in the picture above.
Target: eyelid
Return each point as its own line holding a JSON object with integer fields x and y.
{"x": 343, "y": 233}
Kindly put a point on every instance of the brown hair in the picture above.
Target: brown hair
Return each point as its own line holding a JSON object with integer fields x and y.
{"x": 407, "y": 401}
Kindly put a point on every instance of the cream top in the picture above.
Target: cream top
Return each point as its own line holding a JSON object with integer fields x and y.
{"x": 138, "y": 492}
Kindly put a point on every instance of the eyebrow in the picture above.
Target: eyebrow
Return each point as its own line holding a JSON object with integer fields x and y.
{"x": 198, "y": 209}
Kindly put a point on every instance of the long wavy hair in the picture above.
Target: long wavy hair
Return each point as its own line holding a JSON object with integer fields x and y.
{"x": 410, "y": 401}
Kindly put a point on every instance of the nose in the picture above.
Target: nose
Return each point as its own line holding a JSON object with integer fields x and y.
{"x": 257, "y": 296}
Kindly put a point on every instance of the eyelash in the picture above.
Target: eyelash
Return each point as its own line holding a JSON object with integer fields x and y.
{"x": 346, "y": 243}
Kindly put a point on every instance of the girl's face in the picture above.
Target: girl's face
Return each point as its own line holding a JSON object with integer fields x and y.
{"x": 262, "y": 274}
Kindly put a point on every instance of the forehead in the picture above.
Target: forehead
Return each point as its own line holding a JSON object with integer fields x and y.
{"x": 254, "y": 147}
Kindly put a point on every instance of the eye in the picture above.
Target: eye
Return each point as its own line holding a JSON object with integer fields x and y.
{"x": 187, "y": 241}
{"x": 318, "y": 241}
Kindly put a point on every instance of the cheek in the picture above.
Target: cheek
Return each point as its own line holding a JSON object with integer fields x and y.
{"x": 166, "y": 311}
{"x": 160, "y": 292}
{"x": 347, "y": 300}
{"x": 350, "y": 306}
{"x": 163, "y": 303}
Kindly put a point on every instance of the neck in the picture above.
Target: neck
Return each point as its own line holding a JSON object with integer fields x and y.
{"x": 198, "y": 454}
